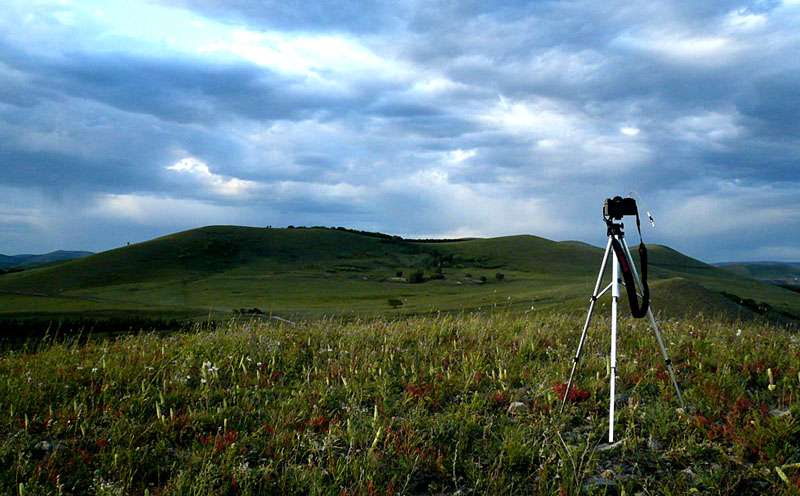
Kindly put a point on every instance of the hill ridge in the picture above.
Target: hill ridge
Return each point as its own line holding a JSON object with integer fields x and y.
{"x": 318, "y": 270}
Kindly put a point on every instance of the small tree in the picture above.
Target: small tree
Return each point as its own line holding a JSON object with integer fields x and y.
{"x": 399, "y": 273}
{"x": 394, "y": 302}
{"x": 416, "y": 276}
{"x": 499, "y": 276}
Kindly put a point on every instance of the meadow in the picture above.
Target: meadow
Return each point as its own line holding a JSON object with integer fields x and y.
{"x": 314, "y": 272}
{"x": 441, "y": 404}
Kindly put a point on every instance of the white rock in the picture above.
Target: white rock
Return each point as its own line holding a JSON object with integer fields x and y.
{"x": 780, "y": 413}
{"x": 517, "y": 408}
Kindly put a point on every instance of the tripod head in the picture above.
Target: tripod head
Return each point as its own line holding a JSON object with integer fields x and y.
{"x": 615, "y": 229}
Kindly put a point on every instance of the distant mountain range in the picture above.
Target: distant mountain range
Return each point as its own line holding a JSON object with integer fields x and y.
{"x": 791, "y": 264}
{"x": 12, "y": 261}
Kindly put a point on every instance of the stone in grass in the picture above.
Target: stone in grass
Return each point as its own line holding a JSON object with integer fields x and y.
{"x": 517, "y": 408}
{"x": 780, "y": 413}
{"x": 609, "y": 446}
{"x": 43, "y": 446}
{"x": 47, "y": 446}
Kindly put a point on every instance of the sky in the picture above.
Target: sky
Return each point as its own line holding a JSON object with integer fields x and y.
{"x": 122, "y": 121}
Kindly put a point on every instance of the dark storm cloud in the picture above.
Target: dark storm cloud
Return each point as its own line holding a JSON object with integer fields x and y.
{"x": 182, "y": 91}
{"x": 773, "y": 102}
{"x": 57, "y": 172}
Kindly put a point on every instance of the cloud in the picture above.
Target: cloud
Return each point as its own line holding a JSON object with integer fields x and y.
{"x": 708, "y": 130}
{"x": 333, "y": 15}
{"x": 158, "y": 211}
{"x": 411, "y": 118}
{"x": 217, "y": 184}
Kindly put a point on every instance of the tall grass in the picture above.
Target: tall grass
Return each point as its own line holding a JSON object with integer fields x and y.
{"x": 414, "y": 406}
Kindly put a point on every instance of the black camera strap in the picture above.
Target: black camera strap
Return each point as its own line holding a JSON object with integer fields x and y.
{"x": 627, "y": 274}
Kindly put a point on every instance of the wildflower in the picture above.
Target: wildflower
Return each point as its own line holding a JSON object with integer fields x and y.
{"x": 94, "y": 369}
{"x": 202, "y": 381}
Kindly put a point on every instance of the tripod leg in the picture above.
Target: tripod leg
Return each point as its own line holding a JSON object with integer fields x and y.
{"x": 577, "y": 356}
{"x": 667, "y": 360}
{"x": 613, "y": 357}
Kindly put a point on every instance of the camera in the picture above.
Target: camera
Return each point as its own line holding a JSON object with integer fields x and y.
{"x": 617, "y": 207}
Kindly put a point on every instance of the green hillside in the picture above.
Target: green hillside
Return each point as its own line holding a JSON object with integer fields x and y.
{"x": 219, "y": 270}
{"x": 778, "y": 273}
{"x": 6, "y": 261}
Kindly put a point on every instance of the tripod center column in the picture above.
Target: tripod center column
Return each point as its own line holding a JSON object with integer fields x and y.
{"x": 613, "y": 357}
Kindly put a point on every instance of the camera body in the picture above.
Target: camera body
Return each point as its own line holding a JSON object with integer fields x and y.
{"x": 617, "y": 207}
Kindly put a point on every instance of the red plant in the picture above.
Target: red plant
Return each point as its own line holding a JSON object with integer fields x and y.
{"x": 501, "y": 398}
{"x": 576, "y": 394}
{"x": 319, "y": 422}
{"x": 418, "y": 389}
{"x": 219, "y": 441}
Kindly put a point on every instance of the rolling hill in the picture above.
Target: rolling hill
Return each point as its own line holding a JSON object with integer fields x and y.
{"x": 315, "y": 271}
{"x": 52, "y": 258}
{"x": 774, "y": 272}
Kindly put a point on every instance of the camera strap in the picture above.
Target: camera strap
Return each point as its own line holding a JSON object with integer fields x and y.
{"x": 627, "y": 274}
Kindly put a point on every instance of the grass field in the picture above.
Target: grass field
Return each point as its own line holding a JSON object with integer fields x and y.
{"x": 312, "y": 272}
{"x": 419, "y": 405}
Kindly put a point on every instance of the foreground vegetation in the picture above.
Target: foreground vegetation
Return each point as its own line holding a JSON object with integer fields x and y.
{"x": 431, "y": 405}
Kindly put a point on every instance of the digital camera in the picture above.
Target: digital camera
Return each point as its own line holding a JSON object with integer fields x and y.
{"x": 617, "y": 207}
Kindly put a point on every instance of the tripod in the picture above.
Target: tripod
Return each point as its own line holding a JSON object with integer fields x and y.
{"x": 616, "y": 238}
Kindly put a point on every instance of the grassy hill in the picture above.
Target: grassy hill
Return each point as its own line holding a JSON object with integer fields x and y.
{"x": 314, "y": 271}
{"x": 55, "y": 257}
{"x": 775, "y": 272}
